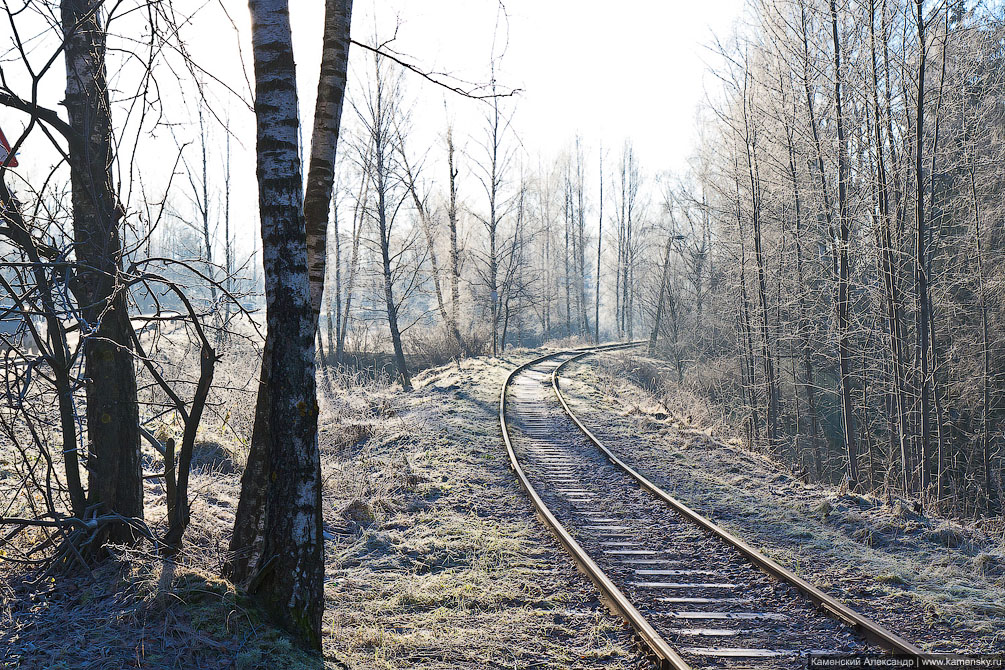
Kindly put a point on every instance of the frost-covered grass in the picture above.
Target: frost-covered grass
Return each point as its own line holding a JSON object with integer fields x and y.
{"x": 434, "y": 557}
{"x": 937, "y": 582}
{"x": 459, "y": 573}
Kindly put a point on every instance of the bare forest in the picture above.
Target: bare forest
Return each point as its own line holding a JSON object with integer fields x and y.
{"x": 261, "y": 289}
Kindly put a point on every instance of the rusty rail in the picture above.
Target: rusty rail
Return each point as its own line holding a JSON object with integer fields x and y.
{"x": 616, "y": 600}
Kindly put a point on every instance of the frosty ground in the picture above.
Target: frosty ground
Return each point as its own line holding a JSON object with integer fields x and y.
{"x": 435, "y": 558}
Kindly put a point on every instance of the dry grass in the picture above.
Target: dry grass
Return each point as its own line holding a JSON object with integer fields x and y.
{"x": 687, "y": 405}
{"x": 141, "y": 611}
{"x": 451, "y": 569}
{"x": 434, "y": 558}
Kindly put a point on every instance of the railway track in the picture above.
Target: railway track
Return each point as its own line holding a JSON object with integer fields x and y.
{"x": 697, "y": 596}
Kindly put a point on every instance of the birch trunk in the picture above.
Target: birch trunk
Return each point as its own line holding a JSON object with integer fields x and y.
{"x": 289, "y": 578}
{"x": 247, "y": 539}
{"x": 324, "y": 139}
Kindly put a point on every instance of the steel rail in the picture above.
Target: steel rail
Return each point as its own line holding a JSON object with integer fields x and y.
{"x": 616, "y": 600}
{"x": 868, "y": 628}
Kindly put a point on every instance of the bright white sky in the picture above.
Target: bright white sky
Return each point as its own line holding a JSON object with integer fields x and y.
{"x": 634, "y": 70}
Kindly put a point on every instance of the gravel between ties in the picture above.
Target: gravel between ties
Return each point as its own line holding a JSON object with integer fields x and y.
{"x": 719, "y": 603}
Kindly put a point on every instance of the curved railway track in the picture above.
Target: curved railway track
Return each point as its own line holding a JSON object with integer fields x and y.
{"x": 697, "y": 596}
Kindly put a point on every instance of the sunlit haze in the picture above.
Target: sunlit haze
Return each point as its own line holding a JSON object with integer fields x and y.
{"x": 635, "y": 73}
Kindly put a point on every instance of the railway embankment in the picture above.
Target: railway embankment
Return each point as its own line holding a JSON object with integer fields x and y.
{"x": 937, "y": 582}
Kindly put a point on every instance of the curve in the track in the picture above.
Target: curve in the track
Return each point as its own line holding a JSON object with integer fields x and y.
{"x": 696, "y": 595}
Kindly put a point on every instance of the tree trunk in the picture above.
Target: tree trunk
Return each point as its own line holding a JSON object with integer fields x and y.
{"x": 324, "y": 139}
{"x": 749, "y": 341}
{"x": 989, "y": 484}
{"x": 581, "y": 255}
{"x": 617, "y": 281}
{"x": 228, "y": 243}
{"x": 58, "y": 354}
{"x": 567, "y": 280}
{"x": 333, "y": 307}
{"x": 290, "y": 572}
{"x": 505, "y": 320}
{"x": 920, "y": 270}
{"x": 762, "y": 289}
{"x": 600, "y": 241}
{"x": 654, "y": 335}
{"x": 247, "y": 539}
{"x": 828, "y": 208}
{"x": 744, "y": 313}
{"x": 350, "y": 283}
{"x": 392, "y": 308}
{"x": 115, "y": 475}
{"x": 492, "y": 224}
{"x": 455, "y": 272}
{"x": 350, "y": 286}
{"x": 202, "y": 204}
{"x": 803, "y": 326}
{"x": 890, "y": 280}
{"x": 380, "y": 125}
{"x": 934, "y": 346}
{"x": 844, "y": 344}
{"x": 249, "y": 519}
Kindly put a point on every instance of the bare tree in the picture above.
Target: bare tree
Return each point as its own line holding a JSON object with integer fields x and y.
{"x": 115, "y": 475}
{"x": 600, "y": 241}
{"x": 380, "y": 115}
{"x": 492, "y": 175}
{"x": 428, "y": 228}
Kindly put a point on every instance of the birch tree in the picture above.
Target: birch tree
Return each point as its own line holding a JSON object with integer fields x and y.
{"x": 255, "y": 515}
{"x": 290, "y": 572}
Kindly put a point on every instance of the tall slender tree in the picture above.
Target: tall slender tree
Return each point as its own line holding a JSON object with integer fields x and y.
{"x": 844, "y": 270}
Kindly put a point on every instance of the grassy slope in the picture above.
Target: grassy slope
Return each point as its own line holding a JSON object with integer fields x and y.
{"x": 458, "y": 572}
{"x": 434, "y": 558}
{"x": 940, "y": 584}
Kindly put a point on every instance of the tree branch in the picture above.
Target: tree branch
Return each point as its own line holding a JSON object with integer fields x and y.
{"x": 432, "y": 76}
